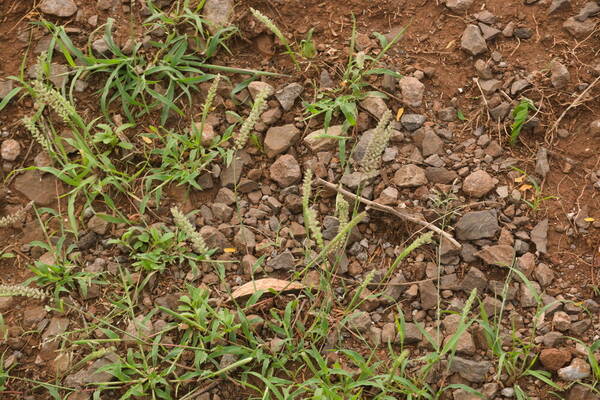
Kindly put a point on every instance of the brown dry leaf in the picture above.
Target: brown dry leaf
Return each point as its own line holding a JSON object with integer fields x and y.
{"x": 266, "y": 284}
{"x": 399, "y": 113}
{"x": 525, "y": 187}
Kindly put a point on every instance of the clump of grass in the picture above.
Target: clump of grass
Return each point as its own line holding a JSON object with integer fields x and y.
{"x": 20, "y": 290}
{"x": 16, "y": 217}
{"x": 181, "y": 221}
{"x": 520, "y": 116}
{"x": 268, "y": 22}
{"x": 381, "y": 137}
{"x": 260, "y": 104}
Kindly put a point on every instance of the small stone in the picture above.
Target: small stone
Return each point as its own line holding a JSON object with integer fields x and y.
{"x": 542, "y": 167}
{"x": 285, "y": 170}
{"x": 523, "y": 32}
{"x": 588, "y": 10}
{"x": 474, "y": 279}
{"x": 543, "y": 274}
{"x": 459, "y": 5}
{"x": 100, "y": 46}
{"x": 38, "y": 187}
{"x": 256, "y": 87}
{"x": 472, "y": 40}
{"x": 488, "y": 32}
{"x": 412, "y": 334}
{"x": 59, "y": 8}
{"x": 374, "y": 105}
{"x": 500, "y": 255}
{"x": 10, "y": 150}
{"x": 478, "y": 184}
{"x": 412, "y": 122}
{"x": 576, "y": 371}
{"x": 539, "y": 236}
{"x": 529, "y": 293}
{"x": 104, "y": 5}
{"x": 579, "y": 29}
{"x": 325, "y": 80}
{"x": 288, "y": 95}
{"x": 218, "y": 14}
{"x": 579, "y": 328}
{"x": 283, "y": 261}
{"x": 476, "y": 225}
{"x": 412, "y": 91}
{"x": 509, "y": 30}
{"x": 448, "y": 114}
{"x": 491, "y": 305}
{"x": 559, "y": 75}
{"x": 554, "y": 359}
{"x": 595, "y": 127}
{"x": 561, "y": 321}
{"x": 558, "y": 6}
{"x": 280, "y": 138}
{"x": 483, "y": 69}
{"x": 245, "y": 239}
{"x": 472, "y": 371}
{"x": 410, "y": 176}
{"x": 485, "y": 16}
{"x": 519, "y": 85}
{"x": 359, "y": 321}
{"x": 98, "y": 225}
{"x": 440, "y": 175}
{"x": 581, "y": 392}
{"x": 388, "y": 333}
{"x": 429, "y": 295}
{"x": 316, "y": 142}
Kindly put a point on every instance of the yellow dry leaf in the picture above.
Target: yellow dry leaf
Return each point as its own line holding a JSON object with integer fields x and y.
{"x": 525, "y": 187}
{"x": 450, "y": 44}
{"x": 589, "y": 219}
{"x": 229, "y": 250}
{"x": 146, "y": 139}
{"x": 399, "y": 113}
{"x": 520, "y": 179}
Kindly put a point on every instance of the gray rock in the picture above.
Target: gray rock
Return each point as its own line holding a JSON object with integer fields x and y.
{"x": 10, "y": 150}
{"x": 485, "y": 16}
{"x": 500, "y": 255}
{"x": 218, "y": 14}
{"x": 478, "y": 184}
{"x": 395, "y": 288}
{"x": 428, "y": 294}
{"x": 256, "y": 87}
{"x": 283, "y": 261}
{"x": 559, "y": 74}
{"x": 98, "y": 225}
{"x": 355, "y": 179}
{"x": 474, "y": 279}
{"x": 100, "y": 46}
{"x": 435, "y": 161}
{"x": 388, "y": 333}
{"x": 588, "y": 10}
{"x": 490, "y": 86}
{"x": 543, "y": 274}
{"x": 595, "y": 127}
{"x": 519, "y": 85}
{"x": 58, "y": 73}
{"x": 488, "y": 32}
{"x": 316, "y": 142}
{"x": 561, "y": 321}
{"x": 359, "y": 321}
{"x": 362, "y": 144}
{"x": 104, "y": 5}
{"x": 244, "y": 238}
{"x": 500, "y": 112}
{"x": 528, "y": 294}
{"x": 59, "y": 8}
{"x": 412, "y": 334}
{"x": 472, "y": 371}
{"x": 558, "y": 6}
{"x": 410, "y": 176}
{"x": 230, "y": 176}
{"x": 374, "y": 336}
{"x": 483, "y": 69}
{"x": 412, "y": 122}
{"x": 285, "y": 170}
{"x": 522, "y": 32}
{"x": 325, "y": 80}
{"x": 38, "y": 187}
{"x": 280, "y": 138}
{"x": 431, "y": 143}
{"x": 448, "y": 114}
{"x": 412, "y": 91}
{"x": 542, "y": 167}
{"x": 288, "y": 95}
{"x": 214, "y": 238}
{"x": 476, "y": 225}
{"x": 222, "y": 212}
{"x": 576, "y": 371}
{"x": 582, "y": 392}
{"x": 472, "y": 40}
{"x": 5, "y": 87}
{"x": 579, "y": 328}
{"x": 91, "y": 374}
{"x": 374, "y": 105}
{"x": 491, "y": 305}
{"x": 539, "y": 236}
{"x": 459, "y": 5}
{"x": 579, "y": 29}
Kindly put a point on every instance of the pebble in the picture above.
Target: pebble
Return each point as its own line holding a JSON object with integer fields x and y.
{"x": 579, "y": 29}
{"x": 459, "y": 5}
{"x": 10, "y": 150}
{"x": 560, "y": 76}
{"x": 218, "y": 14}
{"x": 288, "y": 95}
{"x": 410, "y": 175}
{"x": 476, "y": 225}
{"x": 559, "y": 5}
{"x": 59, "y": 8}
{"x": 412, "y": 91}
{"x": 478, "y": 184}
{"x": 554, "y": 359}
{"x": 280, "y": 138}
{"x": 472, "y": 40}
{"x": 577, "y": 370}
{"x": 285, "y": 170}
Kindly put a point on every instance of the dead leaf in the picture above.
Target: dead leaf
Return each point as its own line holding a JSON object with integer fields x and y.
{"x": 229, "y": 250}
{"x": 450, "y": 44}
{"x": 520, "y": 179}
{"x": 266, "y": 284}
{"x": 525, "y": 187}
{"x": 589, "y": 219}
{"x": 146, "y": 139}
{"x": 399, "y": 113}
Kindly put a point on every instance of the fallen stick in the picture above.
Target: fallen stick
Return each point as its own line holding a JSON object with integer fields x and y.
{"x": 390, "y": 210}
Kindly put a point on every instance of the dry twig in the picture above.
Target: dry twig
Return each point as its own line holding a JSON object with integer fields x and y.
{"x": 390, "y": 210}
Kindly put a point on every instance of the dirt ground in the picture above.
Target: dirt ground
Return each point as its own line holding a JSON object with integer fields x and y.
{"x": 430, "y": 50}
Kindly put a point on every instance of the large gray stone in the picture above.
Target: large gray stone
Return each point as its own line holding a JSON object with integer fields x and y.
{"x": 477, "y": 225}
